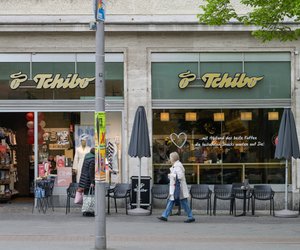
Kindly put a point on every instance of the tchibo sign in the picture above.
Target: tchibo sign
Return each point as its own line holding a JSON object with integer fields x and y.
{"x": 51, "y": 81}
{"x": 219, "y": 80}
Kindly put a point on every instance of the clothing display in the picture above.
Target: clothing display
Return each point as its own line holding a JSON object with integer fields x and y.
{"x": 112, "y": 156}
{"x": 79, "y": 158}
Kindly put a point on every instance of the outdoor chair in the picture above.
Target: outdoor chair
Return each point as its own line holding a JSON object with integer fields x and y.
{"x": 263, "y": 193}
{"x": 121, "y": 191}
{"x": 71, "y": 192}
{"x": 159, "y": 191}
{"x": 201, "y": 192}
{"x": 49, "y": 186}
{"x": 108, "y": 189}
{"x": 223, "y": 192}
{"x": 239, "y": 194}
{"x": 43, "y": 195}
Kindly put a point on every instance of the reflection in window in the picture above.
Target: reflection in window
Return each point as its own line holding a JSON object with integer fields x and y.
{"x": 219, "y": 146}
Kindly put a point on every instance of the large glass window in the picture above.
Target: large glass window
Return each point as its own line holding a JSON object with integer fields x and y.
{"x": 218, "y": 146}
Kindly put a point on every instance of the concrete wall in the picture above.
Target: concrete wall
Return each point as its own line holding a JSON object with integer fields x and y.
{"x": 85, "y": 7}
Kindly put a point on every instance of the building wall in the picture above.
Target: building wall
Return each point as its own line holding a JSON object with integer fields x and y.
{"x": 85, "y": 7}
{"x": 136, "y": 30}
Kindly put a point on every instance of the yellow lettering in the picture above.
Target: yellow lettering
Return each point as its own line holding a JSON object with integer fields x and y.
{"x": 241, "y": 80}
{"x": 57, "y": 82}
{"x": 46, "y": 81}
{"x": 18, "y": 78}
{"x": 210, "y": 79}
{"x": 254, "y": 81}
{"x": 43, "y": 81}
{"x": 215, "y": 80}
{"x": 73, "y": 83}
{"x": 187, "y": 77}
{"x": 84, "y": 82}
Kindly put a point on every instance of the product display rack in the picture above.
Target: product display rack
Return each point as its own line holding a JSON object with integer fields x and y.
{"x": 4, "y": 182}
{"x": 8, "y": 171}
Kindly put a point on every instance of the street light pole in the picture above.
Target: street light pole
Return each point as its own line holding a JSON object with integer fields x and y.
{"x": 100, "y": 123}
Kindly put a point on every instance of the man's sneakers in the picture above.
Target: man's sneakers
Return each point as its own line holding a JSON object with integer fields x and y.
{"x": 190, "y": 220}
{"x": 162, "y": 218}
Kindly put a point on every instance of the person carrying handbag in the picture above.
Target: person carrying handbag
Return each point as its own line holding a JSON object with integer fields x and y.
{"x": 87, "y": 177}
{"x": 177, "y": 171}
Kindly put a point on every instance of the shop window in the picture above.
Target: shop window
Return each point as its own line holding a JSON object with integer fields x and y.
{"x": 220, "y": 146}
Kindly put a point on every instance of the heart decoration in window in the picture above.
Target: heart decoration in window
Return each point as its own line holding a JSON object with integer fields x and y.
{"x": 178, "y": 140}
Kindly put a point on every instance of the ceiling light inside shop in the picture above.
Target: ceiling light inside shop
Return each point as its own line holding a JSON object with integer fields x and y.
{"x": 219, "y": 117}
{"x": 273, "y": 116}
{"x": 165, "y": 116}
{"x": 246, "y": 116}
{"x": 191, "y": 116}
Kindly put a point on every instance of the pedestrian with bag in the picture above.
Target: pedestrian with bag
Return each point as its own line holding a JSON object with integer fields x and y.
{"x": 87, "y": 183}
{"x": 178, "y": 190}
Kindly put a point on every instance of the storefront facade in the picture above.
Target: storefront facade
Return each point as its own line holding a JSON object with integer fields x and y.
{"x": 58, "y": 89}
{"x": 224, "y": 142}
{"x": 233, "y": 85}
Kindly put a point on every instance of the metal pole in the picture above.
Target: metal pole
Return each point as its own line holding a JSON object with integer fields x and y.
{"x": 36, "y": 150}
{"x": 100, "y": 217}
{"x": 286, "y": 185}
{"x": 139, "y": 185}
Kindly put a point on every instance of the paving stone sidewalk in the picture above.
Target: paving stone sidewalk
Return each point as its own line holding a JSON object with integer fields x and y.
{"x": 22, "y": 229}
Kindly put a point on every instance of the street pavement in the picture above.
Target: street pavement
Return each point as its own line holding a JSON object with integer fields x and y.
{"x": 22, "y": 229}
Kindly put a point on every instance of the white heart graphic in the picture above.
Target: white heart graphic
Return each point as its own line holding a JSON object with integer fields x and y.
{"x": 178, "y": 140}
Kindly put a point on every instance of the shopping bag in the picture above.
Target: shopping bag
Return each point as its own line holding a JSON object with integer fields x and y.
{"x": 177, "y": 191}
{"x": 78, "y": 197}
{"x": 88, "y": 205}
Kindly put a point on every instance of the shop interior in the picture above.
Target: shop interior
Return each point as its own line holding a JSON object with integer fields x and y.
{"x": 218, "y": 146}
{"x": 59, "y": 137}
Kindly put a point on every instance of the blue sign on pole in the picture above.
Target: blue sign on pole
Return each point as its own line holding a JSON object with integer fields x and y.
{"x": 100, "y": 14}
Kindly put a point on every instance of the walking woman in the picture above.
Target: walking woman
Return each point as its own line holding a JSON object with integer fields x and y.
{"x": 177, "y": 169}
{"x": 87, "y": 177}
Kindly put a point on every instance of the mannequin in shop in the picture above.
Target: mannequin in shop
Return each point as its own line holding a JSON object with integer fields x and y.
{"x": 80, "y": 153}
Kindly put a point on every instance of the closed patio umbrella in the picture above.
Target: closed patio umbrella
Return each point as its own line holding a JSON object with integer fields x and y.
{"x": 139, "y": 146}
{"x": 286, "y": 148}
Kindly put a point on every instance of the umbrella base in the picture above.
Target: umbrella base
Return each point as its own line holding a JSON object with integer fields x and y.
{"x": 138, "y": 211}
{"x": 285, "y": 213}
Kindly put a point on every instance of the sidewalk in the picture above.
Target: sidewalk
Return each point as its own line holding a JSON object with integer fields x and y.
{"x": 22, "y": 229}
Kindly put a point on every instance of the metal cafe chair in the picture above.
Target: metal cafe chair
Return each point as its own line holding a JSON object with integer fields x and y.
{"x": 71, "y": 192}
{"x": 121, "y": 191}
{"x": 49, "y": 186}
{"x": 223, "y": 192}
{"x": 201, "y": 192}
{"x": 159, "y": 191}
{"x": 263, "y": 193}
{"x": 239, "y": 194}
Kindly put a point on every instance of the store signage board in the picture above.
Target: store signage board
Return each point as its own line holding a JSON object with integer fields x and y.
{"x": 51, "y": 81}
{"x": 219, "y": 81}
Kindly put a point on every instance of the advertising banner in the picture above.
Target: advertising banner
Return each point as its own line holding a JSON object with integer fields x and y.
{"x": 100, "y": 10}
{"x": 100, "y": 144}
